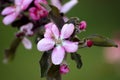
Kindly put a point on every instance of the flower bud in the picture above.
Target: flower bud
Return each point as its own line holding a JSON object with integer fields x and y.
{"x": 64, "y": 69}
{"x": 89, "y": 43}
{"x": 82, "y": 25}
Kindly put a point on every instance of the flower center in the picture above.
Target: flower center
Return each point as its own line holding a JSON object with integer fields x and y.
{"x": 58, "y": 41}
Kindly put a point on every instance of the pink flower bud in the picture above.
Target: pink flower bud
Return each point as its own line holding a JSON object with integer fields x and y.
{"x": 37, "y": 13}
{"x": 89, "y": 43}
{"x": 64, "y": 69}
{"x": 82, "y": 25}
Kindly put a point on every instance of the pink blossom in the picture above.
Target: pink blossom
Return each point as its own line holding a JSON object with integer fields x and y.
{"x": 38, "y": 12}
{"x": 82, "y": 25}
{"x": 53, "y": 39}
{"x": 26, "y": 30}
{"x": 12, "y": 12}
{"x": 64, "y": 69}
{"x": 66, "y": 7}
{"x": 112, "y": 54}
{"x": 27, "y": 43}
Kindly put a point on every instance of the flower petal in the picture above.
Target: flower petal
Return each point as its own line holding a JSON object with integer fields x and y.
{"x": 25, "y": 4}
{"x": 56, "y": 3}
{"x": 58, "y": 55}
{"x": 27, "y": 29}
{"x": 33, "y": 12}
{"x": 10, "y": 18}
{"x": 48, "y": 31}
{"x": 67, "y": 31}
{"x": 49, "y": 25}
{"x": 45, "y": 44}
{"x": 18, "y": 2}
{"x": 55, "y": 31}
{"x": 27, "y": 43}
{"x": 65, "y": 18}
{"x": 8, "y": 10}
{"x": 66, "y": 7}
{"x": 70, "y": 46}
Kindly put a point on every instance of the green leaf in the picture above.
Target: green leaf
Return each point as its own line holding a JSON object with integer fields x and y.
{"x": 10, "y": 52}
{"x": 74, "y": 20}
{"x": 77, "y": 58}
{"x": 101, "y": 41}
{"x": 55, "y": 16}
{"x": 49, "y": 70}
{"x": 45, "y": 63}
{"x": 46, "y": 6}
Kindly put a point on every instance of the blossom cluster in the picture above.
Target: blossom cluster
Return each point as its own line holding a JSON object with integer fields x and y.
{"x": 57, "y": 35}
{"x": 54, "y": 38}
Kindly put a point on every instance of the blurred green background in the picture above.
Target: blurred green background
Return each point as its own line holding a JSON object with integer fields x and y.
{"x": 102, "y": 16}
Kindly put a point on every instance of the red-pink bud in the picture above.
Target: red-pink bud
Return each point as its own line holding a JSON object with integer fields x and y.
{"x": 89, "y": 43}
{"x": 82, "y": 25}
{"x": 64, "y": 69}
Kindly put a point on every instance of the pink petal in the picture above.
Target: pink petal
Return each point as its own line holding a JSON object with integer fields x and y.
{"x": 28, "y": 26}
{"x": 8, "y": 10}
{"x": 45, "y": 44}
{"x": 27, "y": 29}
{"x": 56, "y": 3}
{"x": 48, "y": 31}
{"x": 66, "y": 7}
{"x": 43, "y": 12}
{"x": 65, "y": 18}
{"x": 25, "y": 4}
{"x": 70, "y": 46}
{"x": 33, "y": 12}
{"x": 10, "y": 18}
{"x": 55, "y": 31}
{"x": 49, "y": 25}
{"x": 34, "y": 17}
{"x": 58, "y": 55}
{"x": 18, "y": 2}
{"x": 67, "y": 31}
{"x": 27, "y": 43}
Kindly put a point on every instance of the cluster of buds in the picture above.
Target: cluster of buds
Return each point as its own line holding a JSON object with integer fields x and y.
{"x": 56, "y": 34}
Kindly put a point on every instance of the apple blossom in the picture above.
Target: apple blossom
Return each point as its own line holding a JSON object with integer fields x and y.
{"x": 53, "y": 39}
{"x": 38, "y": 12}
{"x": 12, "y": 12}
{"x": 26, "y": 30}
